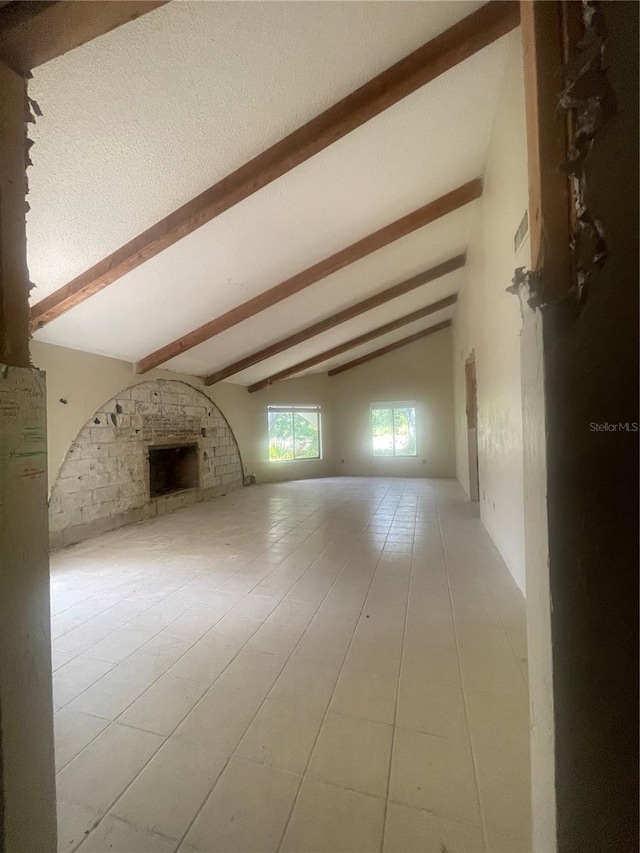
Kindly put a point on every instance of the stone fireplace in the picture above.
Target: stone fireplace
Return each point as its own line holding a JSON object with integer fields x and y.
{"x": 153, "y": 448}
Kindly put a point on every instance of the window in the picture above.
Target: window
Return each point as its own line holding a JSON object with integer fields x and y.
{"x": 294, "y": 433}
{"x": 393, "y": 429}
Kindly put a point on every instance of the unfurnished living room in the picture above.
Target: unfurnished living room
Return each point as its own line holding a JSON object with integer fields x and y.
{"x": 318, "y": 426}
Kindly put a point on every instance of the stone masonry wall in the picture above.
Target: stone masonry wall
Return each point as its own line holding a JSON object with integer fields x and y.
{"x": 104, "y": 481}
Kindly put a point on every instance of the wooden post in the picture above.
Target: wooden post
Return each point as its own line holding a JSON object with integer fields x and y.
{"x": 14, "y": 277}
{"x": 27, "y": 783}
{"x": 543, "y": 38}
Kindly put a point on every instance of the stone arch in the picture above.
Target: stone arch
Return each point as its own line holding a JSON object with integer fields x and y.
{"x": 103, "y": 482}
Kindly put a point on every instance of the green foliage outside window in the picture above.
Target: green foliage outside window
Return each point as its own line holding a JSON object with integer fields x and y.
{"x": 393, "y": 430}
{"x": 294, "y": 433}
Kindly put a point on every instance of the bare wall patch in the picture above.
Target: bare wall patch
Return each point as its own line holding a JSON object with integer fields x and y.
{"x": 589, "y": 101}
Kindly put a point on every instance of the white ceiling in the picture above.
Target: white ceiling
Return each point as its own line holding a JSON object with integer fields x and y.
{"x": 139, "y": 121}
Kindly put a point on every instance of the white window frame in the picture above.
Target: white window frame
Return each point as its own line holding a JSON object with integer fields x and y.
{"x": 402, "y": 404}
{"x": 299, "y": 409}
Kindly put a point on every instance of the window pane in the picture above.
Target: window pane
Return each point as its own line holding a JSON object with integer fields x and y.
{"x": 280, "y": 436}
{"x": 404, "y": 429}
{"x": 382, "y": 432}
{"x": 307, "y": 444}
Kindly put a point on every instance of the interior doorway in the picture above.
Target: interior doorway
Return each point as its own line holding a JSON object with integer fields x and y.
{"x": 472, "y": 425}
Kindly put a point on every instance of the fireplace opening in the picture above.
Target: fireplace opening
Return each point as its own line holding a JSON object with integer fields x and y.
{"x": 172, "y": 469}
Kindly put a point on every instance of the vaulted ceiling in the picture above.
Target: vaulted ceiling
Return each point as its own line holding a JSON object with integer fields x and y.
{"x": 145, "y": 118}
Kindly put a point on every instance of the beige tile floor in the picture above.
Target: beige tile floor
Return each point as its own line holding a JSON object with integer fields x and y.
{"x": 322, "y": 665}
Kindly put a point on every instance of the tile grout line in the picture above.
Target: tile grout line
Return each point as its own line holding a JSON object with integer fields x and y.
{"x": 206, "y": 799}
{"x": 395, "y": 712}
{"x": 487, "y": 586}
{"x": 462, "y": 684}
{"x": 117, "y": 663}
{"x": 339, "y": 533}
{"x": 129, "y": 621}
{"x": 141, "y": 573}
{"x": 165, "y": 627}
{"x": 303, "y": 775}
{"x": 508, "y": 635}
{"x": 102, "y": 613}
{"x": 166, "y": 738}
{"x": 215, "y": 680}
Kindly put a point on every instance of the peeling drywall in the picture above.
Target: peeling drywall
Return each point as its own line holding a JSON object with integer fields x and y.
{"x": 588, "y": 102}
{"x": 589, "y": 99}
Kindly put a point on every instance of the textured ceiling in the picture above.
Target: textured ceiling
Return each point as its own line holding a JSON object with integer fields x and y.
{"x": 139, "y": 121}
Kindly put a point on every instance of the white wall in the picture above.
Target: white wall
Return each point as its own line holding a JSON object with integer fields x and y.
{"x": 543, "y": 806}
{"x": 421, "y": 372}
{"x": 87, "y": 381}
{"x": 488, "y": 321}
{"x": 313, "y": 390}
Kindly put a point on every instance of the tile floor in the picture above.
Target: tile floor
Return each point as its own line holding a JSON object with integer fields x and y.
{"x": 322, "y": 665}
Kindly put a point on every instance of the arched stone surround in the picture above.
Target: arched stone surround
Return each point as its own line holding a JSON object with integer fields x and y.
{"x": 104, "y": 480}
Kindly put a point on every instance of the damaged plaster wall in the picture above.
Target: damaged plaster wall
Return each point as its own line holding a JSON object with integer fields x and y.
{"x": 487, "y": 320}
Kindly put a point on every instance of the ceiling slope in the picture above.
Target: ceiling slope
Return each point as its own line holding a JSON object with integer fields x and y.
{"x": 371, "y": 243}
{"x": 356, "y": 362}
{"x": 368, "y": 304}
{"x": 183, "y": 97}
{"x": 361, "y": 339}
{"x": 392, "y": 337}
{"x": 462, "y": 40}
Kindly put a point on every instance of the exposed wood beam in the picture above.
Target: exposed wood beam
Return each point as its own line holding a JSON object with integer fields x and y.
{"x": 32, "y": 33}
{"x": 400, "y": 228}
{"x": 442, "y": 53}
{"x": 341, "y": 317}
{"x": 355, "y": 342}
{"x": 543, "y": 34}
{"x": 390, "y": 348}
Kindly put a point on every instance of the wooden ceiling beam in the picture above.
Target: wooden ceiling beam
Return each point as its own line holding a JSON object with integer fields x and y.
{"x": 32, "y": 33}
{"x": 389, "y": 348}
{"x": 442, "y": 53}
{"x": 400, "y": 228}
{"x": 341, "y": 317}
{"x": 440, "y": 305}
